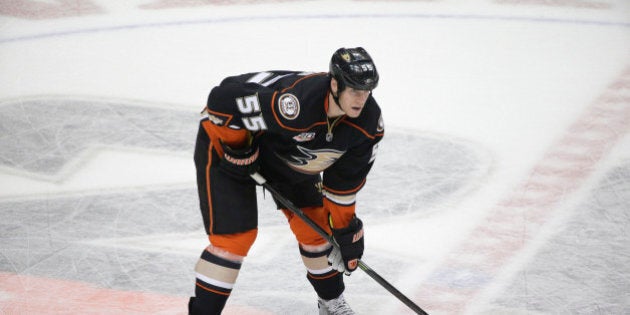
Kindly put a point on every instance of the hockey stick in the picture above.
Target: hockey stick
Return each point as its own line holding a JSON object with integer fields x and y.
{"x": 297, "y": 211}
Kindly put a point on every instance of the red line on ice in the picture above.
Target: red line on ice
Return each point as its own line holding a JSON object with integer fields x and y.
{"x": 518, "y": 218}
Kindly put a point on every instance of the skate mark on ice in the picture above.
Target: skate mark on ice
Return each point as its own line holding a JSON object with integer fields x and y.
{"x": 519, "y": 217}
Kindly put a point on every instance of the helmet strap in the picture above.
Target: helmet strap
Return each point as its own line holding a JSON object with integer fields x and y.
{"x": 335, "y": 98}
{"x": 340, "y": 87}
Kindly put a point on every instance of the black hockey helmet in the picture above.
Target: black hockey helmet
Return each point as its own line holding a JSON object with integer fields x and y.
{"x": 353, "y": 67}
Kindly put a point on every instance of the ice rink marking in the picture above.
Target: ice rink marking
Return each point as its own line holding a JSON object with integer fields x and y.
{"x": 470, "y": 17}
{"x": 519, "y": 219}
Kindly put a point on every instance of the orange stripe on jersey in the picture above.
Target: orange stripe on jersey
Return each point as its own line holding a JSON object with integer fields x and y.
{"x": 360, "y": 129}
{"x": 217, "y": 134}
{"x": 303, "y": 78}
{"x": 208, "y": 190}
{"x": 275, "y": 115}
{"x": 219, "y": 114}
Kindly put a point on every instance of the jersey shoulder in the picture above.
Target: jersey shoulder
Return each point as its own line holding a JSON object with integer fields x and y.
{"x": 299, "y": 103}
{"x": 284, "y": 100}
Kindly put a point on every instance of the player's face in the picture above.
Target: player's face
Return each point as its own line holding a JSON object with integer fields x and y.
{"x": 352, "y": 101}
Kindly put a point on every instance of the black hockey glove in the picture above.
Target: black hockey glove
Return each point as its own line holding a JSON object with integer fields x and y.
{"x": 350, "y": 241}
{"x": 240, "y": 162}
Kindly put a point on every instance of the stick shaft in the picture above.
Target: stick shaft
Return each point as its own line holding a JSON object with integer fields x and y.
{"x": 369, "y": 271}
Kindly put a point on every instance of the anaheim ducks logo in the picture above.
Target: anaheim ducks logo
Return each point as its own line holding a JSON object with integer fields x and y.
{"x": 313, "y": 161}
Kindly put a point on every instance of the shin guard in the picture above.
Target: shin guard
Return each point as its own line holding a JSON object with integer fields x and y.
{"x": 215, "y": 278}
{"x": 327, "y": 282}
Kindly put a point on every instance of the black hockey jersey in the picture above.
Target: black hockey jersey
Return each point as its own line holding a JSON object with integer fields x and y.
{"x": 286, "y": 112}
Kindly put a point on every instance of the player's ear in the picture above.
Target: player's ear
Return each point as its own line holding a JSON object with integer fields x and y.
{"x": 333, "y": 86}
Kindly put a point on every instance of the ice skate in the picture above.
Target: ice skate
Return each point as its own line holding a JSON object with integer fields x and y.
{"x": 337, "y": 306}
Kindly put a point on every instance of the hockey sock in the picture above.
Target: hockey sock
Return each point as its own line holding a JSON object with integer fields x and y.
{"x": 215, "y": 278}
{"x": 327, "y": 282}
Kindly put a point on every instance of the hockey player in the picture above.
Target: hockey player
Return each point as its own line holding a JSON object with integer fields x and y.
{"x": 313, "y": 136}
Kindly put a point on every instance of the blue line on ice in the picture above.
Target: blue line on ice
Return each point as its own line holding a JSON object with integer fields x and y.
{"x": 471, "y": 17}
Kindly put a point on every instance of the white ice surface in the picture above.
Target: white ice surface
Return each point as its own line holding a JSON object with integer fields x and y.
{"x": 503, "y": 81}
